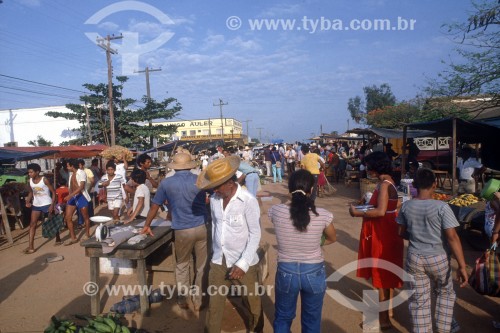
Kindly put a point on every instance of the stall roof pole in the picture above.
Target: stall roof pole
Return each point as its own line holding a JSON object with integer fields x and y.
{"x": 6, "y": 222}
{"x": 403, "y": 159}
{"x": 454, "y": 159}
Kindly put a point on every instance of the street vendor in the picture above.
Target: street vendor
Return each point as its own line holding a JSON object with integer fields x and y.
{"x": 491, "y": 192}
{"x": 468, "y": 168}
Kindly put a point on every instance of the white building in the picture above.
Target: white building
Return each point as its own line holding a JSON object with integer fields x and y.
{"x": 28, "y": 124}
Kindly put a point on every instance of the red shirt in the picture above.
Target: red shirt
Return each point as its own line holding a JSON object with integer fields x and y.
{"x": 62, "y": 192}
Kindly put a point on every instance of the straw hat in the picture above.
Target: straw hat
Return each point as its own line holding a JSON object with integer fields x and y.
{"x": 247, "y": 148}
{"x": 218, "y": 172}
{"x": 182, "y": 161}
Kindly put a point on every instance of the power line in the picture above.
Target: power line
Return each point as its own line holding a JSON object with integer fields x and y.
{"x": 43, "y": 84}
{"x": 37, "y": 92}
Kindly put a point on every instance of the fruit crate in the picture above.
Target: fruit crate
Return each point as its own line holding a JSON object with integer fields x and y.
{"x": 463, "y": 213}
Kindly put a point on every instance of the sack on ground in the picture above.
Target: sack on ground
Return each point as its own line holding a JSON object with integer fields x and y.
{"x": 485, "y": 277}
{"x": 52, "y": 226}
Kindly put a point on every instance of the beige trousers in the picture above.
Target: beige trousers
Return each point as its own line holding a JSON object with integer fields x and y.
{"x": 187, "y": 241}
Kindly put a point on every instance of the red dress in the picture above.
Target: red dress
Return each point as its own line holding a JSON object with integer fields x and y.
{"x": 379, "y": 239}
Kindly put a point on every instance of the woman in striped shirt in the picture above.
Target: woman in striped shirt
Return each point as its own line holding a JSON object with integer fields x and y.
{"x": 300, "y": 229}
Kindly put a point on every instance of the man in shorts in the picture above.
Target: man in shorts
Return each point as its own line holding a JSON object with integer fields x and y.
{"x": 78, "y": 198}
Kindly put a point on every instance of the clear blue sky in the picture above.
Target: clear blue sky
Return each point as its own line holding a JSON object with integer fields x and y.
{"x": 289, "y": 82}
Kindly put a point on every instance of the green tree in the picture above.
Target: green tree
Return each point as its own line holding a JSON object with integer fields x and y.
{"x": 376, "y": 97}
{"x": 413, "y": 111}
{"x": 129, "y": 131}
{"x": 356, "y": 109}
{"x": 40, "y": 142}
{"x": 479, "y": 71}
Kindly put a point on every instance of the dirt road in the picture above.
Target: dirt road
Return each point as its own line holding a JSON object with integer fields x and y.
{"x": 31, "y": 291}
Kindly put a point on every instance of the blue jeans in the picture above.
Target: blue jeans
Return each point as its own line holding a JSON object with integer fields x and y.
{"x": 276, "y": 171}
{"x": 293, "y": 278}
{"x": 252, "y": 183}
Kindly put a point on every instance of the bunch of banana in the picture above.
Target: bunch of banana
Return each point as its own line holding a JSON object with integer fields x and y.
{"x": 108, "y": 324}
{"x": 464, "y": 200}
{"x": 63, "y": 326}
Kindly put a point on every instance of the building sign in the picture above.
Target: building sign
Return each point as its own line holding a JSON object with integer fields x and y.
{"x": 205, "y": 127}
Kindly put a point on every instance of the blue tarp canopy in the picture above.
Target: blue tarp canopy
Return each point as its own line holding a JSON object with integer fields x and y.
{"x": 12, "y": 157}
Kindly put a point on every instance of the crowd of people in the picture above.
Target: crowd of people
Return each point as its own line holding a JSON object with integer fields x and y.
{"x": 216, "y": 219}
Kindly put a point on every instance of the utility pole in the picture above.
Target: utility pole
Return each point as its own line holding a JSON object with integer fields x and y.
{"x": 260, "y": 133}
{"x": 10, "y": 122}
{"x": 209, "y": 130}
{"x": 148, "y": 93}
{"x": 105, "y": 43}
{"x": 221, "y": 103}
{"x": 248, "y": 136}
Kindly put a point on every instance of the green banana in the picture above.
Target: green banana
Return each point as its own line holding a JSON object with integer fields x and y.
{"x": 103, "y": 328}
{"x": 118, "y": 328}
{"x": 111, "y": 323}
{"x": 89, "y": 330}
{"x": 99, "y": 319}
{"x": 125, "y": 329}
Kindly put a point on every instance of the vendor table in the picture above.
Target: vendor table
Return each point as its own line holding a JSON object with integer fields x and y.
{"x": 441, "y": 177}
{"x": 138, "y": 252}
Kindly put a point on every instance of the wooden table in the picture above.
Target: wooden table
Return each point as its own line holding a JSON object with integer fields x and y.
{"x": 441, "y": 177}
{"x": 138, "y": 252}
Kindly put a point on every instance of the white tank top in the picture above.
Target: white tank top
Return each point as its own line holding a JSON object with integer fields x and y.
{"x": 41, "y": 193}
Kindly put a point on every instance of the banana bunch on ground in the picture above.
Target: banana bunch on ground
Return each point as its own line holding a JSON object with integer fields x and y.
{"x": 62, "y": 326}
{"x": 105, "y": 324}
{"x": 464, "y": 200}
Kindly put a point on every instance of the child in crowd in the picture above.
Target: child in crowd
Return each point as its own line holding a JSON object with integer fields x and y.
{"x": 113, "y": 182}
{"x": 430, "y": 226}
{"x": 44, "y": 199}
{"x": 142, "y": 197}
{"x": 62, "y": 192}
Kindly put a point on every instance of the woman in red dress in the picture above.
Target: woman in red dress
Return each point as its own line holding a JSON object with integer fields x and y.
{"x": 379, "y": 232}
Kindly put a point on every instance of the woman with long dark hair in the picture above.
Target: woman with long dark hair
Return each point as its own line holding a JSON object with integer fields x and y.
{"x": 301, "y": 229}
{"x": 379, "y": 240}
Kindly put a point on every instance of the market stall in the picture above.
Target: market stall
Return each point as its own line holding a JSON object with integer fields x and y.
{"x": 463, "y": 131}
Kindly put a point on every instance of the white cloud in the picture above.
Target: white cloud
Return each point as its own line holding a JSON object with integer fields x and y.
{"x": 109, "y": 26}
{"x": 212, "y": 41}
{"x": 185, "y": 41}
{"x": 248, "y": 45}
{"x": 146, "y": 27}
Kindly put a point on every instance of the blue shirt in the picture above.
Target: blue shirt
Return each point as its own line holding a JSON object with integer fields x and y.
{"x": 185, "y": 200}
{"x": 246, "y": 168}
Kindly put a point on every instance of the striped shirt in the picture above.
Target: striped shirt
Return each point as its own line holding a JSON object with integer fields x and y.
{"x": 296, "y": 246}
{"x": 425, "y": 221}
{"x": 114, "y": 189}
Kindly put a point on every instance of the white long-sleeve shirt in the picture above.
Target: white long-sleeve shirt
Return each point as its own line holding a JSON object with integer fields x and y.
{"x": 236, "y": 230}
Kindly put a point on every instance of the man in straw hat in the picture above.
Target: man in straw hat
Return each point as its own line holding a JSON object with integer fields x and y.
{"x": 247, "y": 154}
{"x": 235, "y": 239}
{"x": 189, "y": 216}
